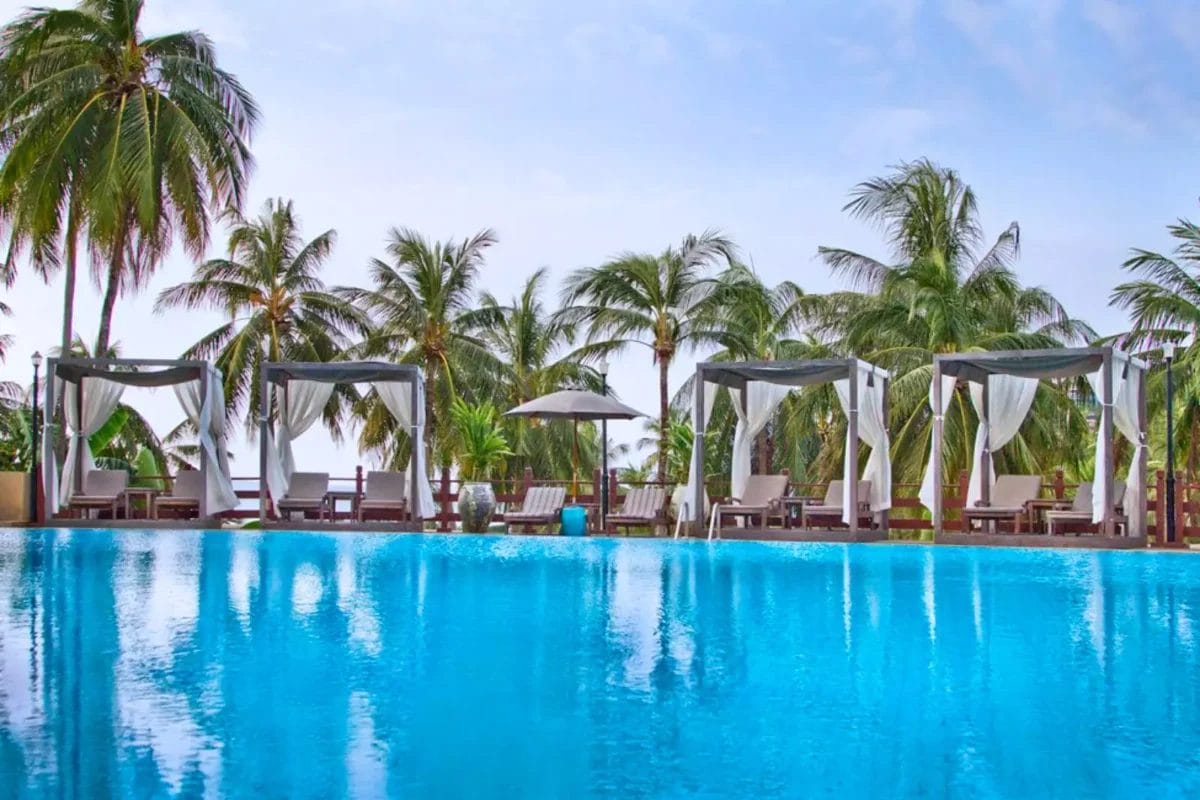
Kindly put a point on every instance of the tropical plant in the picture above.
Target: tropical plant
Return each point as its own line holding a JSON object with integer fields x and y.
{"x": 663, "y": 302}
{"x": 422, "y": 306}
{"x": 276, "y": 306}
{"x": 1164, "y": 302}
{"x": 944, "y": 293}
{"x": 139, "y": 137}
{"x": 480, "y": 446}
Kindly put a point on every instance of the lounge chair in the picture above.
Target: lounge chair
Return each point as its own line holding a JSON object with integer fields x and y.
{"x": 307, "y": 492}
{"x": 763, "y": 498}
{"x": 833, "y": 504}
{"x": 642, "y": 507}
{"x": 1010, "y": 499}
{"x": 1079, "y": 511}
{"x": 103, "y": 489}
{"x": 541, "y": 505}
{"x": 186, "y": 491}
{"x": 385, "y": 497}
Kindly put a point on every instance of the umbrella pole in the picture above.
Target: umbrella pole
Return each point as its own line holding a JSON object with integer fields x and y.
{"x": 575, "y": 462}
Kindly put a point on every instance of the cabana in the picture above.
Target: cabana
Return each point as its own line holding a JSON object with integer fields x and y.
{"x": 304, "y": 390}
{"x": 1002, "y": 389}
{"x": 91, "y": 389}
{"x": 757, "y": 389}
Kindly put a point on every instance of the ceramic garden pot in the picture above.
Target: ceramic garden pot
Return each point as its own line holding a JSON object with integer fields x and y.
{"x": 476, "y": 505}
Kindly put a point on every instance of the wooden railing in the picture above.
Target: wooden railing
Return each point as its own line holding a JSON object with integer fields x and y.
{"x": 908, "y": 518}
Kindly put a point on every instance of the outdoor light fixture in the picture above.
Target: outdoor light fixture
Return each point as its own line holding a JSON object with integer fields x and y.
{"x": 36, "y": 361}
{"x": 602, "y": 368}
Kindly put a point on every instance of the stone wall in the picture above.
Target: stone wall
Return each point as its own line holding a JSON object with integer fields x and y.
{"x": 14, "y": 497}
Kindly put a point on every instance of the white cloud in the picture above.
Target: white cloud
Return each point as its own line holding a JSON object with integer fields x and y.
{"x": 1115, "y": 20}
{"x": 888, "y": 133}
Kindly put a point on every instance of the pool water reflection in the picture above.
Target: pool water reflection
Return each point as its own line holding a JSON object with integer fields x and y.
{"x": 183, "y": 664}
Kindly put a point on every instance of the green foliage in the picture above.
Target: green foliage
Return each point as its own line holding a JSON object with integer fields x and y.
{"x": 131, "y": 140}
{"x": 100, "y": 440}
{"x": 276, "y": 306}
{"x": 480, "y": 446}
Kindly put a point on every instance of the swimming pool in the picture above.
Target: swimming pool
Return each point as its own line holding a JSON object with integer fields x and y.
{"x": 182, "y": 664}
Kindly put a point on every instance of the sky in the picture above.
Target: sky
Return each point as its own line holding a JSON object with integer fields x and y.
{"x": 579, "y": 131}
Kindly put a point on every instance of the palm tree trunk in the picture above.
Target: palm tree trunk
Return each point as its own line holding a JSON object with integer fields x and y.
{"x": 664, "y": 415}
{"x": 116, "y": 270}
{"x": 763, "y": 445}
{"x": 68, "y": 318}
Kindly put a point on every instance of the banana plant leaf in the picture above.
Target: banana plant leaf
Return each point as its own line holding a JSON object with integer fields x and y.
{"x": 110, "y": 430}
{"x": 147, "y": 471}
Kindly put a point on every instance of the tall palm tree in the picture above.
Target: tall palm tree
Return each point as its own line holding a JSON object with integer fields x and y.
{"x": 662, "y": 302}
{"x": 944, "y": 293}
{"x": 1164, "y": 301}
{"x": 276, "y": 306}
{"x": 133, "y": 140}
{"x": 422, "y": 306}
{"x": 531, "y": 346}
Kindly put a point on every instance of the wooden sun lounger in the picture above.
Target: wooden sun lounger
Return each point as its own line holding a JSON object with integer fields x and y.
{"x": 103, "y": 489}
{"x": 542, "y": 505}
{"x": 643, "y": 506}
{"x": 186, "y": 491}
{"x": 1079, "y": 512}
{"x": 833, "y": 505}
{"x": 307, "y": 492}
{"x": 385, "y": 497}
{"x": 763, "y": 498}
{"x": 1010, "y": 499}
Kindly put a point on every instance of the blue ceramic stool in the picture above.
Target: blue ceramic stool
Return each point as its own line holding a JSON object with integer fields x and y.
{"x": 574, "y": 521}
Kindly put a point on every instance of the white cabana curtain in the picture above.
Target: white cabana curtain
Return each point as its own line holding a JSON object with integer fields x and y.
{"x": 872, "y": 429}
{"x": 209, "y": 419}
{"x": 397, "y": 397}
{"x": 1126, "y": 379}
{"x": 761, "y": 401}
{"x": 100, "y": 399}
{"x": 1009, "y": 400}
{"x": 300, "y": 406}
{"x": 686, "y": 512}
{"x": 929, "y": 491}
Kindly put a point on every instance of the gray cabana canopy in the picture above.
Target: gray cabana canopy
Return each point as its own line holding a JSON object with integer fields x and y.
{"x": 1005, "y": 382}
{"x": 862, "y": 389}
{"x": 305, "y": 388}
{"x": 92, "y": 389}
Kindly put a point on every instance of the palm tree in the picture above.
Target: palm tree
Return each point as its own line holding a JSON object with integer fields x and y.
{"x": 132, "y": 139}
{"x": 531, "y": 348}
{"x": 422, "y": 305}
{"x": 663, "y": 302}
{"x": 944, "y": 293}
{"x": 277, "y": 307}
{"x": 1165, "y": 304}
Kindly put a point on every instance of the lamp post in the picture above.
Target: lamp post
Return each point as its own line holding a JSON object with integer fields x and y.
{"x": 602, "y": 368}
{"x": 36, "y": 360}
{"x": 1168, "y": 350}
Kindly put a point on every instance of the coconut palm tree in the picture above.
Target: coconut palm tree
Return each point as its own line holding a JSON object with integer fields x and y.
{"x": 1164, "y": 302}
{"x": 276, "y": 306}
{"x": 532, "y": 349}
{"x": 133, "y": 140}
{"x": 662, "y": 302}
{"x": 943, "y": 293}
{"x": 422, "y": 304}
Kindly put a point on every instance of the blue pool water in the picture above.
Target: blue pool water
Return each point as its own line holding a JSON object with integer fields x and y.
{"x": 178, "y": 664}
